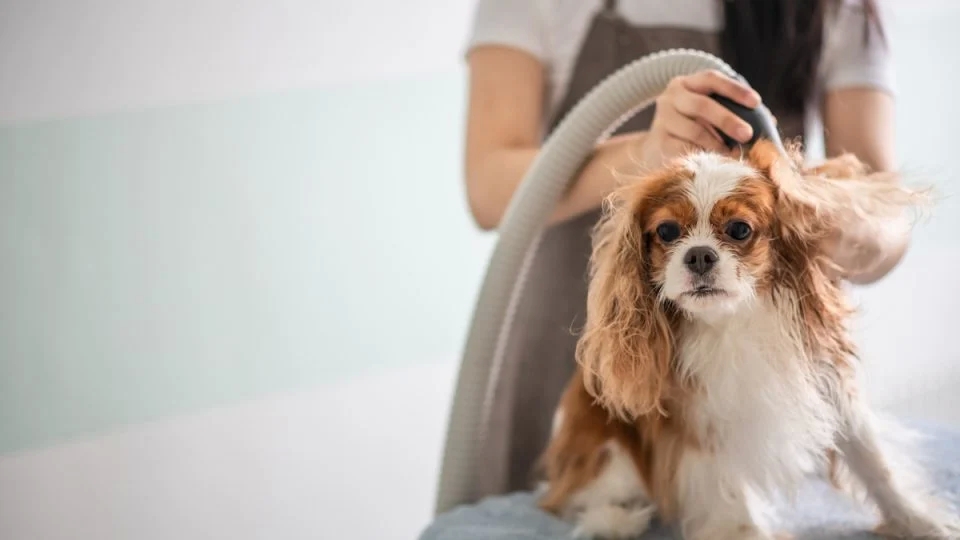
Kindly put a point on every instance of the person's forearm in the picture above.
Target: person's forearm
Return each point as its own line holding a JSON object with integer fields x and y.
{"x": 495, "y": 178}
{"x": 599, "y": 175}
{"x": 860, "y": 121}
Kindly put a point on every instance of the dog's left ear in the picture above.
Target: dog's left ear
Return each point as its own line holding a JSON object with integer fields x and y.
{"x": 814, "y": 201}
{"x": 814, "y": 207}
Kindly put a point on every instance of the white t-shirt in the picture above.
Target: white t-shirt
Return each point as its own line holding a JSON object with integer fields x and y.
{"x": 552, "y": 31}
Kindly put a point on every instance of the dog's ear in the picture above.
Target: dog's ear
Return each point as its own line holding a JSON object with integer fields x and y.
{"x": 814, "y": 201}
{"x": 814, "y": 206}
{"x": 805, "y": 218}
{"x": 626, "y": 346}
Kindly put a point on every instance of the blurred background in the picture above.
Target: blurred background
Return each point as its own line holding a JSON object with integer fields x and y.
{"x": 238, "y": 267}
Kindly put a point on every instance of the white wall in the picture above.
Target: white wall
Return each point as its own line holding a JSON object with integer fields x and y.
{"x": 62, "y": 58}
{"x": 238, "y": 267}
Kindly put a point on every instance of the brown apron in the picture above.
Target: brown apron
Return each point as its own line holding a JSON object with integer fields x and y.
{"x": 539, "y": 354}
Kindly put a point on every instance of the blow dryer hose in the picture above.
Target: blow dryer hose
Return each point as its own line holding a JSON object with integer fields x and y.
{"x": 598, "y": 114}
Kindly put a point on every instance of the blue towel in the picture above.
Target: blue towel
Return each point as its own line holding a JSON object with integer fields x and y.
{"x": 819, "y": 514}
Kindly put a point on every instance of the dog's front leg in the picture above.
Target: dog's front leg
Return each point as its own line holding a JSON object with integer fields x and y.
{"x": 714, "y": 504}
{"x": 881, "y": 458}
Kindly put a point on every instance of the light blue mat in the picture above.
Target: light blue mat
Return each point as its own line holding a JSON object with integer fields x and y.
{"x": 820, "y": 514}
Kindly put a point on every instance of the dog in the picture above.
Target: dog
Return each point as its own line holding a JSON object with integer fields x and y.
{"x": 715, "y": 369}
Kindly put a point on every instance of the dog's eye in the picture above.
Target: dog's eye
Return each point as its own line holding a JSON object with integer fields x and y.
{"x": 668, "y": 231}
{"x": 738, "y": 230}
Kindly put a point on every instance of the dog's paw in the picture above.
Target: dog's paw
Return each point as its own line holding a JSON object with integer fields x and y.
{"x": 918, "y": 530}
{"x": 614, "y": 522}
{"x": 936, "y": 525}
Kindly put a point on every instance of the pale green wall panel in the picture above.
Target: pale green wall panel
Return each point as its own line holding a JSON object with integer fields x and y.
{"x": 158, "y": 262}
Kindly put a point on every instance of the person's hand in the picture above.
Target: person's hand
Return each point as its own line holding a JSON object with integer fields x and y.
{"x": 852, "y": 251}
{"x": 863, "y": 251}
{"x": 688, "y": 118}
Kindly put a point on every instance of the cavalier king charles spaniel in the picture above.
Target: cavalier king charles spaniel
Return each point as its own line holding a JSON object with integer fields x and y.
{"x": 716, "y": 370}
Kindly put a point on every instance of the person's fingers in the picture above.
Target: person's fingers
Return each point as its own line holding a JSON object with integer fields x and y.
{"x": 691, "y": 125}
{"x": 700, "y": 107}
{"x": 686, "y": 129}
{"x": 712, "y": 131}
{"x": 712, "y": 81}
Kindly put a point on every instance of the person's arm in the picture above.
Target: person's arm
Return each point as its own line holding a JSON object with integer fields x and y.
{"x": 504, "y": 122}
{"x": 859, "y": 78}
{"x": 503, "y": 137}
{"x": 861, "y": 121}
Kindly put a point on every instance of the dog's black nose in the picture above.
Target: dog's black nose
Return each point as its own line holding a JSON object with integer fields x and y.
{"x": 700, "y": 259}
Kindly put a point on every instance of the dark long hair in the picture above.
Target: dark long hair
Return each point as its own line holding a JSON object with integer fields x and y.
{"x": 775, "y": 45}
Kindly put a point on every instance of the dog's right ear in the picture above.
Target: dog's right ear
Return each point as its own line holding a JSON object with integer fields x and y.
{"x": 626, "y": 345}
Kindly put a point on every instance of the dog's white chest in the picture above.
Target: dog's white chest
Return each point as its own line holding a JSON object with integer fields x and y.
{"x": 759, "y": 407}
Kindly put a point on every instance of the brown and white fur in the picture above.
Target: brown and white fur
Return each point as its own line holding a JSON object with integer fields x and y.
{"x": 715, "y": 370}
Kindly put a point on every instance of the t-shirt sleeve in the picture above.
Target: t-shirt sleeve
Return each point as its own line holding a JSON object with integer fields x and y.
{"x": 857, "y": 54}
{"x": 510, "y": 23}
